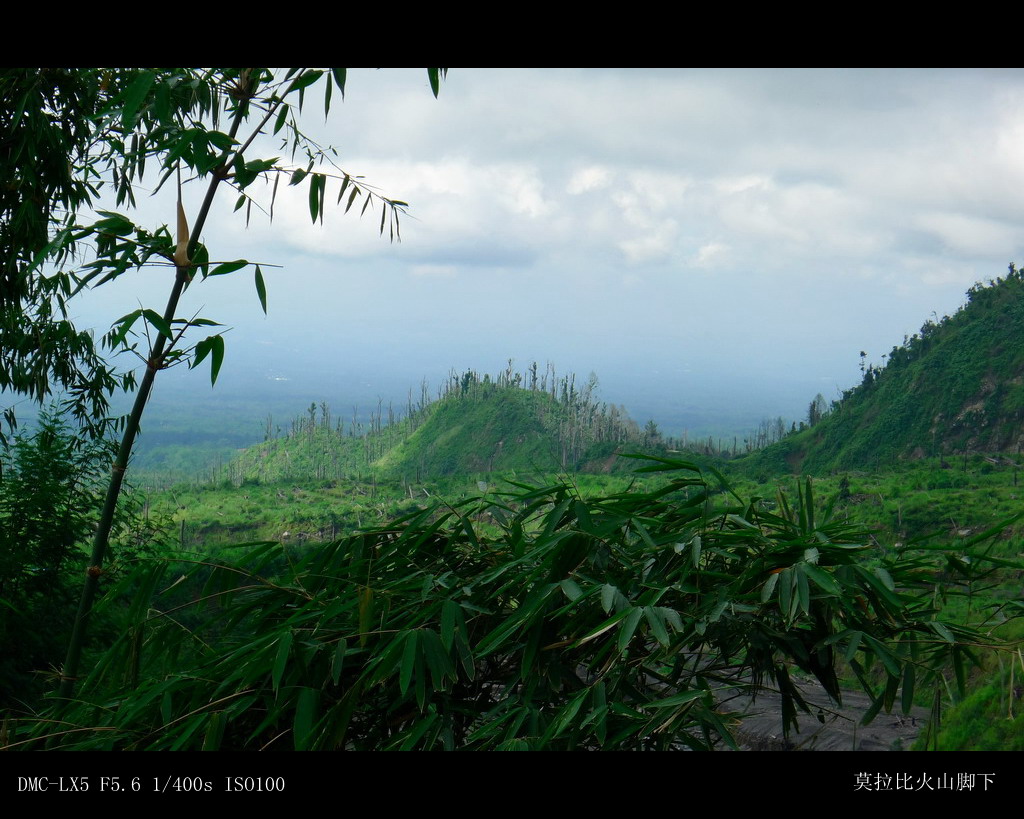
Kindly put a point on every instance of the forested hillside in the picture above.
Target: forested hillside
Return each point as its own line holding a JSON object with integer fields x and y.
{"x": 956, "y": 386}
{"x": 528, "y": 422}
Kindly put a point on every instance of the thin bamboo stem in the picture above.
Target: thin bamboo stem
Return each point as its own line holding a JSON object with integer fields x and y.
{"x": 101, "y": 540}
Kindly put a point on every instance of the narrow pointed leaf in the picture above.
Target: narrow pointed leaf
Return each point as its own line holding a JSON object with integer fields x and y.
{"x": 284, "y": 647}
{"x": 134, "y": 96}
{"x": 228, "y": 267}
{"x": 339, "y": 75}
{"x": 216, "y": 358}
{"x": 158, "y": 322}
{"x": 261, "y": 289}
{"x": 314, "y": 198}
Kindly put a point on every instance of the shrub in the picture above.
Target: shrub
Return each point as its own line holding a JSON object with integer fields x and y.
{"x": 49, "y": 494}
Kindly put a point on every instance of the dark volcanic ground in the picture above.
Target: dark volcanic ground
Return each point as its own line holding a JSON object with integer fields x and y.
{"x": 827, "y": 728}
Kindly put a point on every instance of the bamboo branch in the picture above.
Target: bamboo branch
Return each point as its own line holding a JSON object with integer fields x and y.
{"x": 120, "y": 465}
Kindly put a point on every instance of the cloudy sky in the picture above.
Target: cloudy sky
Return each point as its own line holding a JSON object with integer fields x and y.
{"x": 717, "y": 245}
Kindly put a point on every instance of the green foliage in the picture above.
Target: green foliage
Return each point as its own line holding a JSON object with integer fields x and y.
{"x": 537, "y": 619}
{"x": 50, "y": 486}
{"x": 990, "y": 719}
{"x": 70, "y": 133}
{"x": 46, "y": 130}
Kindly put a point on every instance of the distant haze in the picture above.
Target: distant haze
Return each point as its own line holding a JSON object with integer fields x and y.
{"x": 718, "y": 246}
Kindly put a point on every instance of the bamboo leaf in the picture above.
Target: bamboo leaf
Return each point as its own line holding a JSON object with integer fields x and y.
{"x": 216, "y": 357}
{"x": 571, "y": 589}
{"x": 785, "y": 586}
{"x": 885, "y": 655}
{"x": 159, "y": 323}
{"x": 435, "y": 75}
{"x": 682, "y": 698}
{"x": 134, "y": 96}
{"x": 305, "y": 717}
{"x": 672, "y": 618}
{"x": 339, "y": 75}
{"x": 352, "y": 196}
{"x": 802, "y": 588}
{"x": 632, "y": 619}
{"x": 822, "y": 579}
{"x": 941, "y": 629}
{"x": 124, "y": 325}
{"x": 338, "y": 662}
{"x": 365, "y": 613}
{"x": 958, "y": 670}
{"x": 408, "y": 661}
{"x": 608, "y": 594}
{"x": 438, "y": 661}
{"x": 214, "y": 732}
{"x": 304, "y": 80}
{"x": 314, "y": 198}
{"x": 908, "y": 688}
{"x": 657, "y": 623}
{"x": 284, "y": 647}
{"x": 228, "y": 267}
{"x": 872, "y": 712}
{"x": 321, "y": 194}
{"x": 282, "y": 118}
{"x": 886, "y": 578}
{"x": 261, "y": 289}
{"x": 608, "y": 624}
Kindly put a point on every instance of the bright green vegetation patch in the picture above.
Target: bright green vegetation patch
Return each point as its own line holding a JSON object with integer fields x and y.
{"x": 991, "y": 718}
{"x": 537, "y": 618}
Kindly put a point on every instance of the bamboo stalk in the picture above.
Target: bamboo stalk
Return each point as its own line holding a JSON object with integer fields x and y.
{"x": 101, "y": 540}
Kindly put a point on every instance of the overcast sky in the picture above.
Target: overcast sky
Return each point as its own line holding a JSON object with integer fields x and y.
{"x": 704, "y": 240}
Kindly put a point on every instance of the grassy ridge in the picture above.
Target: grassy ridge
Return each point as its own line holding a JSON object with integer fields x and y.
{"x": 479, "y": 426}
{"x": 499, "y": 431}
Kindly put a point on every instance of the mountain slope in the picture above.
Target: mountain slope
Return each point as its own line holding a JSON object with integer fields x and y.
{"x": 478, "y": 425}
{"x": 498, "y": 430}
{"x": 956, "y": 386}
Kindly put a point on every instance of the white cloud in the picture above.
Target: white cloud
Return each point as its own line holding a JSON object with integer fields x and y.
{"x": 711, "y": 255}
{"x": 588, "y": 179}
{"x": 731, "y": 185}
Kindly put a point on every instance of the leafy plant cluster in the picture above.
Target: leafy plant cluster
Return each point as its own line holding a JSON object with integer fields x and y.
{"x": 535, "y": 620}
{"x": 47, "y": 142}
{"x": 50, "y": 492}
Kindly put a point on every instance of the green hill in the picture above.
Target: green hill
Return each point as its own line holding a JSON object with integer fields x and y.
{"x": 492, "y": 430}
{"x": 956, "y": 386}
{"x": 478, "y": 425}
